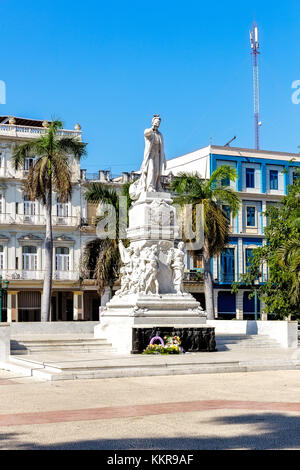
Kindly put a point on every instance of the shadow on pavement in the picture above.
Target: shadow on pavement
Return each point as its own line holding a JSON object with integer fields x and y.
{"x": 273, "y": 431}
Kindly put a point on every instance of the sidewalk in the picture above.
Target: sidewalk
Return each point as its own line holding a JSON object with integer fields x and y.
{"x": 257, "y": 410}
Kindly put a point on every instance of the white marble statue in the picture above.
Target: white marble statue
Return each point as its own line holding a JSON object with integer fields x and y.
{"x": 151, "y": 271}
{"x": 153, "y": 164}
{"x": 176, "y": 262}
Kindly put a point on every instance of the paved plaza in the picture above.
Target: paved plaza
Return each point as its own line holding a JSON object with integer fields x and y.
{"x": 253, "y": 410}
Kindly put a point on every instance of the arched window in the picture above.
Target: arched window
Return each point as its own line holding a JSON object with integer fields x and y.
{"x": 62, "y": 258}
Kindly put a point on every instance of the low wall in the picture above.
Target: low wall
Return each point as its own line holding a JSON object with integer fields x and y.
{"x": 4, "y": 341}
{"x": 55, "y": 328}
{"x": 284, "y": 332}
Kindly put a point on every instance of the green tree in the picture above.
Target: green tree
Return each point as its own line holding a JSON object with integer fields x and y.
{"x": 281, "y": 253}
{"x": 51, "y": 171}
{"x": 211, "y": 194}
{"x": 101, "y": 256}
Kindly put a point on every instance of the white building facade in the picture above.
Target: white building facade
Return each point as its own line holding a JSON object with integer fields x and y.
{"x": 22, "y": 233}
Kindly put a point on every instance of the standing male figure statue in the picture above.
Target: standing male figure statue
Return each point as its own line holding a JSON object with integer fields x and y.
{"x": 154, "y": 162}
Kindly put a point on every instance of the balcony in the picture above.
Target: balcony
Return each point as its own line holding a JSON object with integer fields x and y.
{"x": 38, "y": 275}
{"x": 30, "y": 219}
{"x": 229, "y": 278}
{"x": 25, "y": 219}
{"x": 193, "y": 276}
{"x": 12, "y": 130}
{"x": 6, "y": 219}
{"x": 72, "y": 221}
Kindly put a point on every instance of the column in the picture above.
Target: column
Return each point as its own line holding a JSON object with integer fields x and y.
{"x": 263, "y": 315}
{"x": 216, "y": 292}
{"x": 77, "y": 305}
{"x": 264, "y": 218}
{"x": 263, "y": 177}
{"x": 240, "y": 219}
{"x": 239, "y": 305}
{"x": 240, "y": 258}
{"x": 12, "y": 306}
{"x": 105, "y": 297}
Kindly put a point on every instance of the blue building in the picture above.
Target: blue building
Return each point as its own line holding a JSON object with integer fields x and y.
{"x": 263, "y": 180}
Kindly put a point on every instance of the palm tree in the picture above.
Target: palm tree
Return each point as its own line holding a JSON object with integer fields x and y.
{"x": 211, "y": 193}
{"x": 289, "y": 256}
{"x": 51, "y": 171}
{"x": 101, "y": 256}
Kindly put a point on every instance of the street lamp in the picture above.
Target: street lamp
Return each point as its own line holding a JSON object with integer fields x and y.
{"x": 2, "y": 288}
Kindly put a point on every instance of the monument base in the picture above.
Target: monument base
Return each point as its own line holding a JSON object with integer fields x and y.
{"x": 124, "y": 314}
{"x": 193, "y": 338}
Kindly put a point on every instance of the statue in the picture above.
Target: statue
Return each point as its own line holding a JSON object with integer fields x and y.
{"x": 176, "y": 261}
{"x": 154, "y": 162}
{"x": 151, "y": 272}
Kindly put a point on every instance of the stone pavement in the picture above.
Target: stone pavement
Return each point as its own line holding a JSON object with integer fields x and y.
{"x": 256, "y": 410}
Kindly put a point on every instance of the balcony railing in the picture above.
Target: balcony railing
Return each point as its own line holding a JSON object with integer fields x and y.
{"x": 32, "y": 275}
{"x": 70, "y": 221}
{"x": 6, "y": 219}
{"x": 13, "y": 130}
{"x": 229, "y": 278}
{"x": 193, "y": 276}
{"x": 30, "y": 219}
{"x": 65, "y": 220}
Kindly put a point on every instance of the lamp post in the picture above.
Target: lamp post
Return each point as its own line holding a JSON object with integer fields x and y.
{"x": 2, "y": 289}
{"x": 256, "y": 282}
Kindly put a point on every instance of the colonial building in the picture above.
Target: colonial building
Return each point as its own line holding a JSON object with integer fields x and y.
{"x": 263, "y": 177}
{"x": 22, "y": 233}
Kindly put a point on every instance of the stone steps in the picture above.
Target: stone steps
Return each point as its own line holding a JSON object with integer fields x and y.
{"x": 31, "y": 345}
{"x": 137, "y": 366}
{"x": 231, "y": 342}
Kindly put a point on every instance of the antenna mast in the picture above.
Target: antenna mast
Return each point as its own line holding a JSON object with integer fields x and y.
{"x": 255, "y": 46}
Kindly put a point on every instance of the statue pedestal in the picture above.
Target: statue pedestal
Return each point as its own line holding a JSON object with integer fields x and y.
{"x": 136, "y": 307}
{"x": 126, "y": 313}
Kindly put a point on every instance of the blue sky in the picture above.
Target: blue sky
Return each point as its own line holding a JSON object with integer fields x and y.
{"x": 111, "y": 65}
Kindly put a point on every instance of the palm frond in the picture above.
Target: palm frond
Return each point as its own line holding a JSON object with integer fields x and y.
{"x": 227, "y": 196}
{"x": 224, "y": 171}
{"x": 61, "y": 176}
{"x": 97, "y": 193}
{"x": 29, "y": 149}
{"x": 70, "y": 145}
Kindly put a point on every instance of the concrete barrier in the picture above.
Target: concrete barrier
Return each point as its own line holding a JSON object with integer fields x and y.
{"x": 284, "y": 332}
{"x": 4, "y": 342}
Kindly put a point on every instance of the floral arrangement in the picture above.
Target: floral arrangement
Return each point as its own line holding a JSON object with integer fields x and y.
{"x": 171, "y": 345}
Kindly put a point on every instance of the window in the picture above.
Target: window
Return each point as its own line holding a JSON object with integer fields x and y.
{"x": 251, "y": 216}
{"x": 29, "y": 258}
{"x": 225, "y": 181}
{"x": 62, "y": 208}
{"x": 29, "y": 206}
{"x": 296, "y": 176}
{"x": 62, "y": 258}
{"x": 28, "y": 163}
{"x": 248, "y": 256}
{"x": 226, "y": 210}
{"x": 198, "y": 261}
{"x": 1, "y": 204}
{"x": 250, "y": 178}
{"x": 227, "y": 265}
{"x": 1, "y": 257}
{"x": 273, "y": 179}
